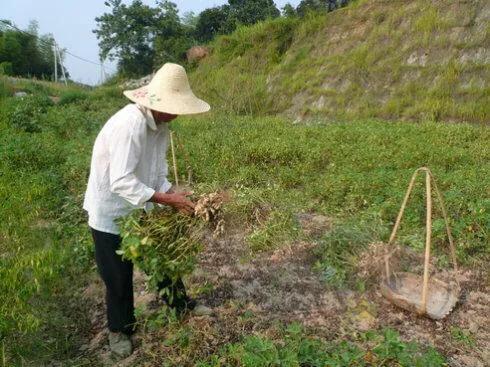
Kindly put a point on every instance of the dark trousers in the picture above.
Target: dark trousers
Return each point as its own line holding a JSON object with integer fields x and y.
{"x": 117, "y": 275}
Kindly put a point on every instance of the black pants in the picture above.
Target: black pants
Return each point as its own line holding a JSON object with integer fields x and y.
{"x": 117, "y": 275}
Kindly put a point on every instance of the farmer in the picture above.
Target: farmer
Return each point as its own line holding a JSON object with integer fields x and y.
{"x": 129, "y": 171}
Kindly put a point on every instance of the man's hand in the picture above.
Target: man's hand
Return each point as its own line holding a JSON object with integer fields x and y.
{"x": 177, "y": 200}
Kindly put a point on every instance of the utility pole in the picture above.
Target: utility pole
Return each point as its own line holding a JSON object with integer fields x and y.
{"x": 61, "y": 64}
{"x": 55, "y": 63}
{"x": 102, "y": 72}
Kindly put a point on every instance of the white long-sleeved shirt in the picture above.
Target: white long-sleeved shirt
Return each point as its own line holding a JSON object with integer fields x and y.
{"x": 128, "y": 166}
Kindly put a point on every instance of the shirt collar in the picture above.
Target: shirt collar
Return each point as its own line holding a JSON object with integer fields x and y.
{"x": 150, "y": 121}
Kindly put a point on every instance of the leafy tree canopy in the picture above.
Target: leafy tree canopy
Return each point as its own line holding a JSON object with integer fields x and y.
{"x": 26, "y": 53}
{"x": 142, "y": 37}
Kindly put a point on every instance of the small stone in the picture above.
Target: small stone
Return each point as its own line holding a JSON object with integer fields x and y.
{"x": 201, "y": 310}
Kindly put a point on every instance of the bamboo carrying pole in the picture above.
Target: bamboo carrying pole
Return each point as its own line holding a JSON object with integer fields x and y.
{"x": 173, "y": 158}
{"x": 428, "y": 230}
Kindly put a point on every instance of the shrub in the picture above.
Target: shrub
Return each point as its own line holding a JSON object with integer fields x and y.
{"x": 31, "y": 87}
{"x": 72, "y": 96}
{"x": 6, "y": 68}
{"x": 6, "y": 89}
{"x": 24, "y": 112}
{"x": 107, "y": 92}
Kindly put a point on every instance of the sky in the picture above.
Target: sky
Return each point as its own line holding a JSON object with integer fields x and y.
{"x": 71, "y": 22}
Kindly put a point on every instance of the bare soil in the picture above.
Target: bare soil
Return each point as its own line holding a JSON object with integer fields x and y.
{"x": 250, "y": 294}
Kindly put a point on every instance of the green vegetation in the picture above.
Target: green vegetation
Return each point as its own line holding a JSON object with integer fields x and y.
{"x": 162, "y": 244}
{"x": 72, "y": 96}
{"x": 344, "y": 164}
{"x": 26, "y": 53}
{"x": 44, "y": 243}
{"x": 356, "y": 172}
{"x": 463, "y": 337}
{"x": 24, "y": 113}
{"x": 292, "y": 346}
{"x": 296, "y": 349}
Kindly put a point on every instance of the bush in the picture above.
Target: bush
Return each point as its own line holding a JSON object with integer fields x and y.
{"x": 23, "y": 113}
{"x": 107, "y": 92}
{"x": 6, "y": 89}
{"x": 35, "y": 88}
{"x": 6, "y": 68}
{"x": 72, "y": 96}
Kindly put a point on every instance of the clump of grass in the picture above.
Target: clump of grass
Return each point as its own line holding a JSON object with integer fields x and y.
{"x": 279, "y": 228}
{"x": 340, "y": 247}
{"x": 107, "y": 92}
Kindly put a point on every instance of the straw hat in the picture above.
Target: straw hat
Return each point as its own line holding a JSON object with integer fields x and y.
{"x": 169, "y": 91}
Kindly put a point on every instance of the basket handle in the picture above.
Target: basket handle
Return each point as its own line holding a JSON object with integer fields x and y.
{"x": 428, "y": 178}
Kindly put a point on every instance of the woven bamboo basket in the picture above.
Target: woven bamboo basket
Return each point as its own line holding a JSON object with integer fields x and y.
{"x": 421, "y": 294}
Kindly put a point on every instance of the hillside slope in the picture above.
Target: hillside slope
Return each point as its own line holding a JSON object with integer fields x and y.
{"x": 409, "y": 60}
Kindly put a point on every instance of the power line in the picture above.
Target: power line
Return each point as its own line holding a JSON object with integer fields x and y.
{"x": 51, "y": 44}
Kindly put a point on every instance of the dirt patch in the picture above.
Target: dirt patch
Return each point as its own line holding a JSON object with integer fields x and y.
{"x": 463, "y": 336}
{"x": 256, "y": 293}
{"x": 279, "y": 283}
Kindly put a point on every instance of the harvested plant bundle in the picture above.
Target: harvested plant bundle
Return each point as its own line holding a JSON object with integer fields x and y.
{"x": 164, "y": 242}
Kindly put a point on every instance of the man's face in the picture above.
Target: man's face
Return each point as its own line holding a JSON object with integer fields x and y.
{"x": 161, "y": 117}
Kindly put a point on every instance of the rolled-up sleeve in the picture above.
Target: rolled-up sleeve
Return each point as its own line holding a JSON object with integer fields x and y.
{"x": 125, "y": 152}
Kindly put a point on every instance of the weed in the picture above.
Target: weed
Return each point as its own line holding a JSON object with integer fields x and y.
{"x": 294, "y": 348}
{"x": 73, "y": 96}
{"x": 6, "y": 89}
{"x": 463, "y": 337}
{"x": 339, "y": 248}
{"x": 24, "y": 113}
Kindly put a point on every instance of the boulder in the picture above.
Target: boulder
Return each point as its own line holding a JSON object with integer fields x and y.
{"x": 197, "y": 53}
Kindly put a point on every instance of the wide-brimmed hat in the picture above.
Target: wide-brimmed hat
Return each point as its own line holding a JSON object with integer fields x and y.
{"x": 169, "y": 91}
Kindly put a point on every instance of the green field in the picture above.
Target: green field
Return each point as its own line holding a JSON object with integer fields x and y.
{"x": 354, "y": 172}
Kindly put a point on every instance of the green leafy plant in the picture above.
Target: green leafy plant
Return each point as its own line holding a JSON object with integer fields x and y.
{"x": 295, "y": 348}
{"x": 72, "y": 96}
{"x": 462, "y": 336}
{"x": 24, "y": 113}
{"x": 162, "y": 243}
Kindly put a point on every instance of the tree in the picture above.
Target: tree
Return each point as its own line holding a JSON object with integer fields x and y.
{"x": 26, "y": 53}
{"x": 190, "y": 19}
{"x": 173, "y": 37}
{"x": 212, "y": 21}
{"x": 127, "y": 33}
{"x": 249, "y": 12}
{"x": 288, "y": 11}
{"x": 142, "y": 37}
{"x": 306, "y": 6}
